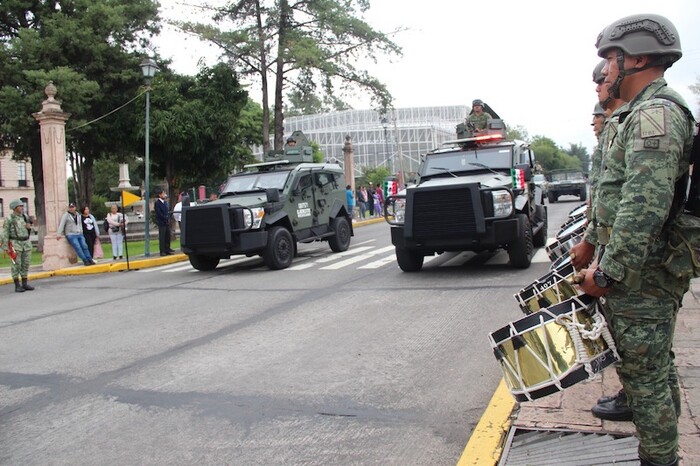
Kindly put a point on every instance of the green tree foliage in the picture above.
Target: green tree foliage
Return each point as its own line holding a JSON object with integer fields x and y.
{"x": 374, "y": 175}
{"x": 307, "y": 45}
{"x": 83, "y": 46}
{"x": 551, "y": 157}
{"x": 581, "y": 153}
{"x": 201, "y": 127}
{"x": 517, "y": 132}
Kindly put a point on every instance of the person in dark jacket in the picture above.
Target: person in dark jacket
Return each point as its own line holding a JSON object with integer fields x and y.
{"x": 162, "y": 210}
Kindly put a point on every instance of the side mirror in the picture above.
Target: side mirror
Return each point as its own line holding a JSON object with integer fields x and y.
{"x": 273, "y": 195}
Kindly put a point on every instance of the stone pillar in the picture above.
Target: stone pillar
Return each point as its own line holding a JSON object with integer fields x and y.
{"x": 124, "y": 179}
{"x": 349, "y": 163}
{"x": 52, "y": 121}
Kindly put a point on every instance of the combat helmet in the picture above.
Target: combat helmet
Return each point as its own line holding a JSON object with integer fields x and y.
{"x": 598, "y": 110}
{"x": 16, "y": 203}
{"x": 645, "y": 34}
{"x": 477, "y": 102}
{"x": 598, "y": 77}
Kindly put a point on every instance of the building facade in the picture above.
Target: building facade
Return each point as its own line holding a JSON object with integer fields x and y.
{"x": 396, "y": 140}
{"x": 15, "y": 183}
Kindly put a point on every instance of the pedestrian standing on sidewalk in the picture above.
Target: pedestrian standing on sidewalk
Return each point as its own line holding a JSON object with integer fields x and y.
{"x": 636, "y": 209}
{"x": 15, "y": 234}
{"x": 163, "y": 220}
{"x": 350, "y": 197}
{"x": 70, "y": 227}
{"x": 117, "y": 222}
{"x": 90, "y": 229}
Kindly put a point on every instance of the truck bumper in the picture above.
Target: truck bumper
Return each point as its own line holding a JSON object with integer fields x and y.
{"x": 499, "y": 233}
{"x": 249, "y": 242}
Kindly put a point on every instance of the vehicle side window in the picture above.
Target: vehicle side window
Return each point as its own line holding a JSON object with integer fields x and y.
{"x": 304, "y": 182}
{"x": 323, "y": 179}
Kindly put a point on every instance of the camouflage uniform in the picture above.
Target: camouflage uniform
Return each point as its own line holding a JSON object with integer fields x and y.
{"x": 15, "y": 230}
{"x": 647, "y": 156}
{"x": 606, "y": 137}
{"x": 479, "y": 121}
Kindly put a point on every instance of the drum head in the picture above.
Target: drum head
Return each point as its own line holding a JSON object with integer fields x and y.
{"x": 538, "y": 354}
{"x": 576, "y": 228}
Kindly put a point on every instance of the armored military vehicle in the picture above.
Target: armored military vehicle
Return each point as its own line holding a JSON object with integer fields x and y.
{"x": 562, "y": 182}
{"x": 269, "y": 208}
{"x": 475, "y": 194}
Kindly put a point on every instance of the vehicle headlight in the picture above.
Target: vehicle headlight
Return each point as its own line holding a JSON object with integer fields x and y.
{"x": 502, "y": 203}
{"x": 399, "y": 210}
{"x": 252, "y": 218}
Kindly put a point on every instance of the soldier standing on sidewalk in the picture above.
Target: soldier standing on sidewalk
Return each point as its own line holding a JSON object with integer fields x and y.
{"x": 645, "y": 167}
{"x": 15, "y": 233}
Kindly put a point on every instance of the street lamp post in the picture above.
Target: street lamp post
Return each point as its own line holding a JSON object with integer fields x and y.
{"x": 385, "y": 125}
{"x": 149, "y": 68}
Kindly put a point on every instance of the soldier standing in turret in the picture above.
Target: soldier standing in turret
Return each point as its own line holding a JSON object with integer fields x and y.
{"x": 647, "y": 160}
{"x": 15, "y": 240}
{"x": 478, "y": 117}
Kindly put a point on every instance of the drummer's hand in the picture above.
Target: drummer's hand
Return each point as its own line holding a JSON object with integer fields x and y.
{"x": 589, "y": 287}
{"x": 581, "y": 254}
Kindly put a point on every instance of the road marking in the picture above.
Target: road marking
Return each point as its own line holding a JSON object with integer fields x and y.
{"x": 349, "y": 252}
{"x": 380, "y": 263}
{"x": 352, "y": 260}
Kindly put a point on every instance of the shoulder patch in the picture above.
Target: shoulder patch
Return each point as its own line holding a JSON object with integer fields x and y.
{"x": 651, "y": 143}
{"x": 652, "y": 122}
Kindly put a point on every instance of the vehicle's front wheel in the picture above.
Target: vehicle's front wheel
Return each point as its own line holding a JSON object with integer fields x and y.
{"x": 341, "y": 241}
{"x": 409, "y": 261}
{"x": 279, "y": 251}
{"x": 204, "y": 263}
{"x": 520, "y": 250}
{"x": 540, "y": 238}
{"x": 583, "y": 194}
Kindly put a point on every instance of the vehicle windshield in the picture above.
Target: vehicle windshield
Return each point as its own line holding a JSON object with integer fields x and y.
{"x": 564, "y": 176}
{"x": 256, "y": 181}
{"x": 495, "y": 158}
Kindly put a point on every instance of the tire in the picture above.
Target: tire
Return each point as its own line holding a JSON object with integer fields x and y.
{"x": 408, "y": 260}
{"x": 204, "y": 263}
{"x": 583, "y": 194}
{"x": 540, "y": 238}
{"x": 279, "y": 251}
{"x": 551, "y": 198}
{"x": 341, "y": 241}
{"x": 520, "y": 250}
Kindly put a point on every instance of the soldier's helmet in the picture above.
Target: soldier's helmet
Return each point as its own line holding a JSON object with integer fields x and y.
{"x": 16, "y": 203}
{"x": 598, "y": 110}
{"x": 477, "y": 102}
{"x": 598, "y": 77}
{"x": 644, "y": 34}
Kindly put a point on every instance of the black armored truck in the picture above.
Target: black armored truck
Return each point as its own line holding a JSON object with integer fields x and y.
{"x": 477, "y": 193}
{"x": 269, "y": 208}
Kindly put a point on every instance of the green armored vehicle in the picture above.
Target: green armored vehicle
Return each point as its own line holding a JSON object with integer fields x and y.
{"x": 476, "y": 194}
{"x": 563, "y": 182}
{"x": 269, "y": 208}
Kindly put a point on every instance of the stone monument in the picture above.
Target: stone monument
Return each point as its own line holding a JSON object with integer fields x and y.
{"x": 52, "y": 121}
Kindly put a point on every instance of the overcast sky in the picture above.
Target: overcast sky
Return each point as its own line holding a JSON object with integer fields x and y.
{"x": 531, "y": 61}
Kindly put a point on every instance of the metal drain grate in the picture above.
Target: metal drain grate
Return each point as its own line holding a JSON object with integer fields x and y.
{"x": 527, "y": 447}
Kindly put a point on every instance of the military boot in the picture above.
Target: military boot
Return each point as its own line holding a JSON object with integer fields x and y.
{"x": 605, "y": 399}
{"x": 26, "y": 285}
{"x": 614, "y": 410}
{"x": 18, "y": 286}
{"x": 644, "y": 462}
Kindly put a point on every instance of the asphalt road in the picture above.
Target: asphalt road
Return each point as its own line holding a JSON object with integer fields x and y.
{"x": 341, "y": 359}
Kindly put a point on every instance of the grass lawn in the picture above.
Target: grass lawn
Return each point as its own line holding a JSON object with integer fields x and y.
{"x": 135, "y": 249}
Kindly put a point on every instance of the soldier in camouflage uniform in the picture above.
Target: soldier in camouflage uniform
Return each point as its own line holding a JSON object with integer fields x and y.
{"x": 16, "y": 231}
{"x": 646, "y": 163}
{"x": 478, "y": 117}
{"x": 615, "y": 407}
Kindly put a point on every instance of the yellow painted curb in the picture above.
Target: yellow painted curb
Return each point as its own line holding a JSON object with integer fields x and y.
{"x": 486, "y": 442}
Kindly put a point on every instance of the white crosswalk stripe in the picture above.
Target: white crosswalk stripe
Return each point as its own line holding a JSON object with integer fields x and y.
{"x": 366, "y": 255}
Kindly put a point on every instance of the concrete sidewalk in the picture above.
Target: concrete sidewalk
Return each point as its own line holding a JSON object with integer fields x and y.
{"x": 570, "y": 410}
